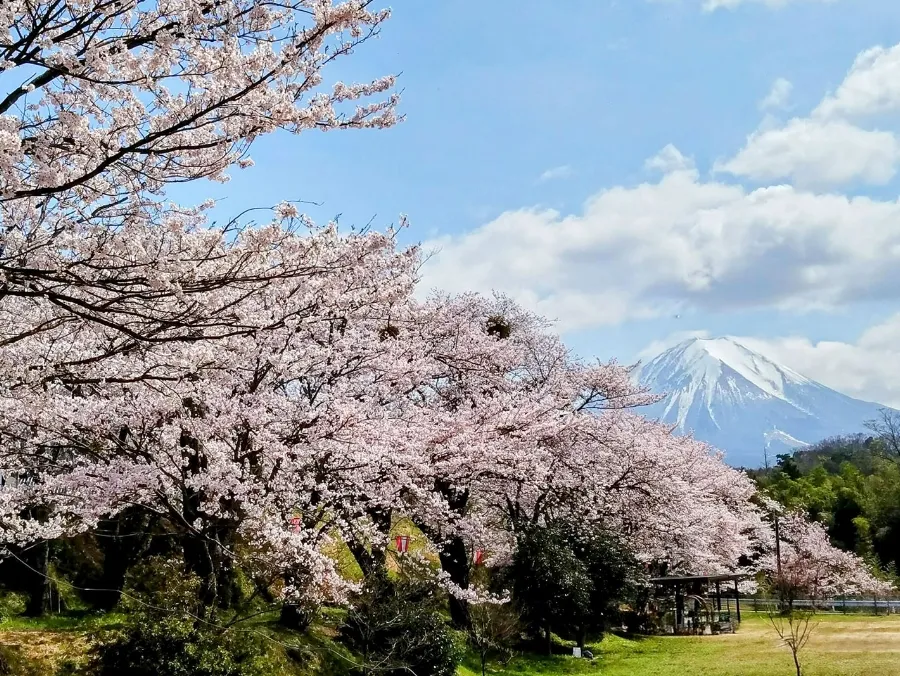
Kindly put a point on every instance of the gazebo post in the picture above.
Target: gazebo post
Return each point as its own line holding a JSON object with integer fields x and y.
{"x": 718, "y": 597}
{"x": 679, "y": 607}
{"x": 737, "y": 600}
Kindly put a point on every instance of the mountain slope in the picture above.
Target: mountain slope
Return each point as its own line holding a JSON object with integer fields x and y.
{"x": 744, "y": 403}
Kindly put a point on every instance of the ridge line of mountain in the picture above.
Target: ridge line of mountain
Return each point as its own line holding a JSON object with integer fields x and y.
{"x": 743, "y": 402}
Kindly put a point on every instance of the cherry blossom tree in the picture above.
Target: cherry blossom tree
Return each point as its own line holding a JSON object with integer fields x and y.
{"x": 528, "y": 433}
{"x": 224, "y": 438}
{"x": 103, "y": 104}
{"x": 230, "y": 379}
{"x": 811, "y": 567}
{"x": 354, "y": 400}
{"x": 672, "y": 497}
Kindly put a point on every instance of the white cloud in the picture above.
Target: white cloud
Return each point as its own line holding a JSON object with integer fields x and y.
{"x": 871, "y": 87}
{"x": 778, "y": 96}
{"x": 563, "y": 171}
{"x": 712, "y": 5}
{"x": 817, "y": 153}
{"x": 866, "y": 369}
{"x": 668, "y": 160}
{"x": 654, "y": 248}
{"x": 829, "y": 147}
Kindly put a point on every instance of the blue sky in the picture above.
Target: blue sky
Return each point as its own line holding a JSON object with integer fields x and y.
{"x": 583, "y": 93}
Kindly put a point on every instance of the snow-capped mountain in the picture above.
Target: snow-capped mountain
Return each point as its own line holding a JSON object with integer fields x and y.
{"x": 743, "y": 403}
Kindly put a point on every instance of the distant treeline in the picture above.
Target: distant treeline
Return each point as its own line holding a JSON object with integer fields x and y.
{"x": 850, "y": 484}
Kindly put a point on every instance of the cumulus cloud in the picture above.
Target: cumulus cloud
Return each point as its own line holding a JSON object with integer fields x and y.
{"x": 556, "y": 172}
{"x": 830, "y": 147}
{"x": 871, "y": 87}
{"x": 814, "y": 152}
{"x": 669, "y": 160}
{"x": 779, "y": 96}
{"x": 650, "y": 249}
{"x": 867, "y": 369}
{"x": 712, "y": 5}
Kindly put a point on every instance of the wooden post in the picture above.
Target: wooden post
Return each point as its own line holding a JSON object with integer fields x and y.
{"x": 737, "y": 600}
{"x": 679, "y": 607}
{"x": 718, "y": 597}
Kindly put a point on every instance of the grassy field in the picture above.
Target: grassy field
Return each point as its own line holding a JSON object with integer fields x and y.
{"x": 851, "y": 645}
{"x": 840, "y": 646}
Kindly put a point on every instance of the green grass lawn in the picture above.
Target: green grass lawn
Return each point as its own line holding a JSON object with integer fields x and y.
{"x": 840, "y": 646}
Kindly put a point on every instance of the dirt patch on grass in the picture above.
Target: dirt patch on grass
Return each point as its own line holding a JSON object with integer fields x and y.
{"x": 45, "y": 649}
{"x": 830, "y": 636}
{"x": 861, "y": 636}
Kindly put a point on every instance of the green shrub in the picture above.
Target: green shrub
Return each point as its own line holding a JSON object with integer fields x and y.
{"x": 396, "y": 628}
{"x": 12, "y": 604}
{"x": 165, "y": 635}
{"x": 569, "y": 579}
{"x": 178, "y": 646}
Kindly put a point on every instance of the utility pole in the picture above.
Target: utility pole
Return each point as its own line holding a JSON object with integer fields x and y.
{"x": 780, "y": 583}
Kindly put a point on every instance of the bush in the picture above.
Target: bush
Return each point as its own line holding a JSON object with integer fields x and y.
{"x": 570, "y": 580}
{"x": 177, "y": 646}
{"x": 494, "y": 631}
{"x": 396, "y": 628}
{"x": 12, "y": 604}
{"x": 164, "y": 635}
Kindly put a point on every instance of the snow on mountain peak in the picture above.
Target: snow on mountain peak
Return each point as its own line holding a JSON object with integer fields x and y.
{"x": 741, "y": 401}
{"x": 704, "y": 357}
{"x": 709, "y": 369}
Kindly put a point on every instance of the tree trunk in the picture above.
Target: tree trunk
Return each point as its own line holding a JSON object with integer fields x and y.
{"x": 226, "y": 572}
{"x": 373, "y": 558}
{"x": 198, "y": 560}
{"x": 454, "y": 557}
{"x": 455, "y": 562}
{"x": 797, "y": 663}
{"x": 364, "y": 557}
{"x": 208, "y": 555}
{"x": 123, "y": 543}
{"x": 294, "y": 617}
{"x": 549, "y": 638}
{"x": 39, "y": 584}
{"x": 203, "y": 554}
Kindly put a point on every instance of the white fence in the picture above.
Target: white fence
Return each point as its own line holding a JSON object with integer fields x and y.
{"x": 834, "y": 605}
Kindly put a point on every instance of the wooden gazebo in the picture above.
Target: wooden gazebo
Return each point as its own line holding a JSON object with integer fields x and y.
{"x": 702, "y": 618}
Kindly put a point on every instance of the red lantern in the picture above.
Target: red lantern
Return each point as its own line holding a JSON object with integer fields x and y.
{"x": 402, "y": 543}
{"x": 479, "y": 557}
{"x": 295, "y": 523}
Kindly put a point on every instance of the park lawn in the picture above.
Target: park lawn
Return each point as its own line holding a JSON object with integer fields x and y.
{"x": 841, "y": 645}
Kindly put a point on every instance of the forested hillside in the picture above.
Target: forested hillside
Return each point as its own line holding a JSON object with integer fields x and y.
{"x": 850, "y": 484}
